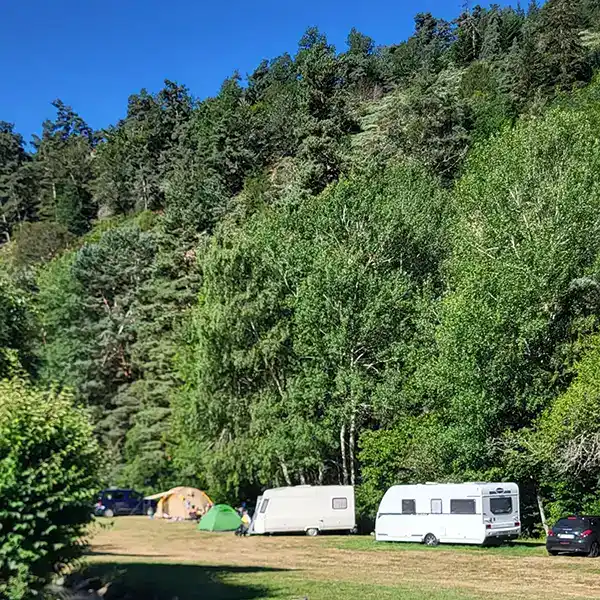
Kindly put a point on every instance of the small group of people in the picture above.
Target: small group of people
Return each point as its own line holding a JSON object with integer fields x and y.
{"x": 197, "y": 512}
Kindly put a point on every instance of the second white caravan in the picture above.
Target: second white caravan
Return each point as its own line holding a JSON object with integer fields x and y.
{"x": 462, "y": 513}
{"x": 305, "y": 508}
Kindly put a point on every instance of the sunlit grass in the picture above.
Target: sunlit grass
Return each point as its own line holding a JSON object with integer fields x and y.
{"x": 161, "y": 560}
{"x": 528, "y": 547}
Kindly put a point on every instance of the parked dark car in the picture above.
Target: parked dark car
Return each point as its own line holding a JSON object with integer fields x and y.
{"x": 118, "y": 502}
{"x": 575, "y": 534}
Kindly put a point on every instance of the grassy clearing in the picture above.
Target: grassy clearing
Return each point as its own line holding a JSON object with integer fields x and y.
{"x": 163, "y": 560}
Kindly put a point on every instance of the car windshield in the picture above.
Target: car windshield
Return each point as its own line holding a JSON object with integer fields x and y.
{"x": 501, "y": 506}
{"x": 572, "y": 523}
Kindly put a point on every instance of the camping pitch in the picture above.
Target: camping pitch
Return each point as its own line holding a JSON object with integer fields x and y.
{"x": 220, "y": 518}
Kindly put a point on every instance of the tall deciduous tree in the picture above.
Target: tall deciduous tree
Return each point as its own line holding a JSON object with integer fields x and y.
{"x": 509, "y": 329}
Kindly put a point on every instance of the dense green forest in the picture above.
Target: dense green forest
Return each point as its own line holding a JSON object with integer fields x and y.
{"x": 371, "y": 266}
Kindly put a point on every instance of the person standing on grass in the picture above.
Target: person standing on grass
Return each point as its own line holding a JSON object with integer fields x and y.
{"x": 245, "y": 522}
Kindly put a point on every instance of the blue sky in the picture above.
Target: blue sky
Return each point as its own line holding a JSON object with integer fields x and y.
{"x": 94, "y": 53}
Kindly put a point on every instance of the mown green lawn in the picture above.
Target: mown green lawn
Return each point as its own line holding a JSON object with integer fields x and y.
{"x": 165, "y": 581}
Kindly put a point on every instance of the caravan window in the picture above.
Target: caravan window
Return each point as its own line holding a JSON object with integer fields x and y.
{"x": 339, "y": 503}
{"x": 408, "y": 507}
{"x": 263, "y": 506}
{"x": 462, "y": 507}
{"x": 436, "y": 507}
{"x": 501, "y": 506}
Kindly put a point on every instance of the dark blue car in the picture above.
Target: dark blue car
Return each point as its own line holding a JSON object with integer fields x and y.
{"x": 119, "y": 502}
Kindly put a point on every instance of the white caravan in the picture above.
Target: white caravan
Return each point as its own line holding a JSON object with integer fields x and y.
{"x": 459, "y": 513}
{"x": 306, "y": 508}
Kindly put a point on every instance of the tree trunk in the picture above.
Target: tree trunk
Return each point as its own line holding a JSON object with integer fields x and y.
{"x": 302, "y": 478}
{"x": 54, "y": 201}
{"x": 6, "y": 233}
{"x": 321, "y": 475}
{"x": 286, "y": 473}
{"x": 351, "y": 444}
{"x": 145, "y": 194}
{"x": 541, "y": 509}
{"x": 343, "y": 451}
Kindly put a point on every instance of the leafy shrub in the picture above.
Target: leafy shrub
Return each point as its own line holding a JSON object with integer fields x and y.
{"x": 16, "y": 329}
{"x": 47, "y": 482}
{"x": 39, "y": 242}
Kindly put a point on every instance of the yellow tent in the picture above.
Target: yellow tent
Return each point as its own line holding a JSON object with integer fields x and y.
{"x": 181, "y": 503}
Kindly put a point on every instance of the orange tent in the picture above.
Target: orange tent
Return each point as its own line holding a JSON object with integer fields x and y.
{"x": 181, "y": 503}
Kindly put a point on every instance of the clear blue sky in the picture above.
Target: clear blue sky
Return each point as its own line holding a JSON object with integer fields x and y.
{"x": 93, "y": 53}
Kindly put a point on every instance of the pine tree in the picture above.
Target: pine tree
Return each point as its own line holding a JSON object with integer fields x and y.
{"x": 163, "y": 301}
{"x": 468, "y": 37}
{"x": 590, "y": 10}
{"x": 523, "y": 68}
{"x": 18, "y": 186}
{"x": 326, "y": 118}
{"x": 361, "y": 69}
{"x": 90, "y": 303}
{"x": 511, "y": 25}
{"x": 563, "y": 53}
{"x": 491, "y": 46}
{"x": 134, "y": 160}
{"x": 533, "y": 10}
{"x": 433, "y": 39}
{"x": 64, "y": 156}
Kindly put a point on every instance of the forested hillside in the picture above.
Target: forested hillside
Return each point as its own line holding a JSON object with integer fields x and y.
{"x": 368, "y": 265}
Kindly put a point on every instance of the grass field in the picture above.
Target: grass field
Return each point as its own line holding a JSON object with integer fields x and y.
{"x": 164, "y": 560}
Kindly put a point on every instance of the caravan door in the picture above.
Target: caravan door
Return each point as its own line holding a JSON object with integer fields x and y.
{"x": 254, "y": 515}
{"x": 259, "y": 519}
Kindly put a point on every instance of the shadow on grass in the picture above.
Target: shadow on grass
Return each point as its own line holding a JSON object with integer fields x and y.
{"x": 119, "y": 553}
{"x": 528, "y": 544}
{"x": 164, "y": 581}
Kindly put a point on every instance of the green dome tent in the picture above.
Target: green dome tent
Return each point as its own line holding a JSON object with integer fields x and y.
{"x": 220, "y": 518}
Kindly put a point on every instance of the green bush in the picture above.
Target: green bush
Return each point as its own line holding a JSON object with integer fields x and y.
{"x": 48, "y": 459}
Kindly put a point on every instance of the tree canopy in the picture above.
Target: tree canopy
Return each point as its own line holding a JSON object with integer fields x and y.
{"x": 365, "y": 265}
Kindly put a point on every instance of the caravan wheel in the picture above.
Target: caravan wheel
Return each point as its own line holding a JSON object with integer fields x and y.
{"x": 430, "y": 540}
{"x": 108, "y": 513}
{"x": 313, "y": 531}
